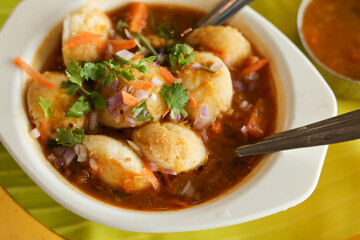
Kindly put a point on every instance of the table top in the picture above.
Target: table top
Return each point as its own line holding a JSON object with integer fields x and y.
{"x": 331, "y": 212}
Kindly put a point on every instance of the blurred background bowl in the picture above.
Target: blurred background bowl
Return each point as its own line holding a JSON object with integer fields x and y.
{"x": 343, "y": 86}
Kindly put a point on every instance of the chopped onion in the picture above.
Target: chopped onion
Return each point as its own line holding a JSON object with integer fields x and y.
{"x": 169, "y": 171}
{"x": 216, "y": 66}
{"x": 153, "y": 97}
{"x": 245, "y": 105}
{"x": 93, "y": 164}
{"x": 125, "y": 107}
{"x": 187, "y": 189}
{"x": 35, "y": 133}
{"x": 157, "y": 82}
{"x": 201, "y": 123}
{"x": 135, "y": 147}
{"x": 239, "y": 85}
{"x": 109, "y": 51}
{"x": 115, "y": 113}
{"x": 52, "y": 157}
{"x": 145, "y": 113}
{"x": 253, "y": 76}
{"x": 69, "y": 155}
{"x": 131, "y": 90}
{"x": 81, "y": 152}
{"x": 125, "y": 54}
{"x": 130, "y": 121}
{"x": 59, "y": 163}
{"x": 114, "y": 85}
{"x": 141, "y": 95}
{"x": 137, "y": 111}
{"x": 196, "y": 66}
{"x": 94, "y": 122}
{"x": 177, "y": 117}
{"x": 204, "y": 113}
{"x": 153, "y": 166}
{"x": 245, "y": 132}
{"x": 204, "y": 136}
{"x": 60, "y": 150}
{"x": 128, "y": 34}
{"x": 114, "y": 101}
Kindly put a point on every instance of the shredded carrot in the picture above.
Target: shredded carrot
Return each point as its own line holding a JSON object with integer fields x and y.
{"x": 130, "y": 99}
{"x": 166, "y": 74}
{"x": 151, "y": 178}
{"x": 43, "y": 131}
{"x": 192, "y": 101}
{"x": 142, "y": 85}
{"x": 167, "y": 110}
{"x": 137, "y": 57}
{"x": 84, "y": 38}
{"x": 138, "y": 15}
{"x": 32, "y": 73}
{"x": 257, "y": 123}
{"x": 217, "y": 127}
{"x": 122, "y": 44}
{"x": 255, "y": 67}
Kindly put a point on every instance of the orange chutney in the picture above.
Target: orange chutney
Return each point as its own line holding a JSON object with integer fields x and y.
{"x": 331, "y": 29}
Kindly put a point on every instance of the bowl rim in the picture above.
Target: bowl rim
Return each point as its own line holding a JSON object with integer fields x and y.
{"x": 224, "y": 211}
{"x": 300, "y": 16}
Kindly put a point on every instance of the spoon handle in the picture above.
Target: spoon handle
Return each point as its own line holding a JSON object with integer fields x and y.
{"x": 342, "y": 128}
{"x": 224, "y": 10}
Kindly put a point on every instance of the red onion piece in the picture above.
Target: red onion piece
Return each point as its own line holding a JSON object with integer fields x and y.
{"x": 239, "y": 85}
{"x": 169, "y": 171}
{"x": 60, "y": 150}
{"x": 245, "y": 132}
{"x": 35, "y": 133}
{"x": 153, "y": 166}
{"x": 245, "y": 105}
{"x": 204, "y": 113}
{"x": 115, "y": 113}
{"x": 52, "y": 157}
{"x": 81, "y": 152}
{"x": 187, "y": 189}
{"x": 204, "y": 136}
{"x": 216, "y": 66}
{"x": 59, "y": 163}
{"x": 93, "y": 164}
{"x": 145, "y": 113}
{"x": 137, "y": 111}
{"x": 109, "y": 50}
{"x": 202, "y": 123}
{"x": 125, "y": 107}
{"x": 253, "y": 76}
{"x": 141, "y": 95}
{"x": 114, "y": 85}
{"x": 128, "y": 34}
{"x": 135, "y": 147}
{"x": 125, "y": 54}
{"x": 131, "y": 90}
{"x": 69, "y": 155}
{"x": 130, "y": 121}
{"x": 196, "y": 66}
{"x": 157, "y": 82}
{"x": 114, "y": 101}
{"x": 94, "y": 122}
{"x": 177, "y": 117}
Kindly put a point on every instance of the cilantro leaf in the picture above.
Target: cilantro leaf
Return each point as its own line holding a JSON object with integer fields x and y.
{"x": 69, "y": 137}
{"x": 71, "y": 87}
{"x": 144, "y": 113}
{"x": 79, "y": 108}
{"x": 180, "y": 55}
{"x": 93, "y": 71}
{"x": 98, "y": 100}
{"x": 45, "y": 105}
{"x": 121, "y": 24}
{"x": 176, "y": 98}
{"x": 74, "y": 72}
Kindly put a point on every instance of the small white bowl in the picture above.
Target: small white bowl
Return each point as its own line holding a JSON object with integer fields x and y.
{"x": 284, "y": 180}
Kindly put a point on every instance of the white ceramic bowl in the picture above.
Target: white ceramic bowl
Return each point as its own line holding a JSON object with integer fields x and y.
{"x": 284, "y": 180}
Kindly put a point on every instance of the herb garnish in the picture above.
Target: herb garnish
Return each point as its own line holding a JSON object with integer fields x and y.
{"x": 176, "y": 98}
{"x": 181, "y": 55}
{"x": 45, "y": 105}
{"x": 142, "y": 107}
{"x": 69, "y": 137}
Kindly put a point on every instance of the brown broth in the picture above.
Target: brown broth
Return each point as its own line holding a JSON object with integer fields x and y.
{"x": 331, "y": 30}
{"x": 223, "y": 169}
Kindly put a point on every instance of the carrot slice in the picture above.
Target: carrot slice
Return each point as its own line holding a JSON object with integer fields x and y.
{"x": 122, "y": 44}
{"x": 151, "y": 178}
{"x": 32, "y": 73}
{"x": 84, "y": 38}
{"x": 166, "y": 74}
{"x": 142, "y": 85}
{"x": 137, "y": 57}
{"x": 192, "y": 101}
{"x": 257, "y": 123}
{"x": 130, "y": 99}
{"x": 138, "y": 15}
{"x": 43, "y": 131}
{"x": 254, "y": 67}
{"x": 166, "y": 112}
{"x": 217, "y": 127}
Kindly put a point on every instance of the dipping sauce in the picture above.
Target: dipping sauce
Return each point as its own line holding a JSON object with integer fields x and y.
{"x": 331, "y": 31}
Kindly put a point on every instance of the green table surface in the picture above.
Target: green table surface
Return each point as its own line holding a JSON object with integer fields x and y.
{"x": 331, "y": 212}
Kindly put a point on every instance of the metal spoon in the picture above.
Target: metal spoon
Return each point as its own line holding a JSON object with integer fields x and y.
{"x": 342, "y": 128}
{"x": 223, "y": 11}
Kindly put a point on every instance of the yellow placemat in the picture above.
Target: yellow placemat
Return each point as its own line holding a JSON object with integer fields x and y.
{"x": 331, "y": 212}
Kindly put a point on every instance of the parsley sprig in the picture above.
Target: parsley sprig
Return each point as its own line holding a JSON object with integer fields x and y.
{"x": 176, "y": 98}
{"x": 142, "y": 107}
{"x": 69, "y": 137}
{"x": 46, "y": 106}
